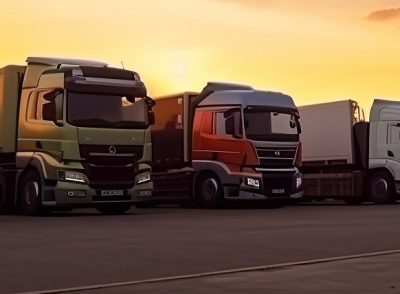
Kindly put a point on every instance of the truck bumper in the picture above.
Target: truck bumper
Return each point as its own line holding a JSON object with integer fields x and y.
{"x": 65, "y": 194}
{"x": 270, "y": 186}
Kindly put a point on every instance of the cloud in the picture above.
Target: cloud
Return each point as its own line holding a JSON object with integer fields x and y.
{"x": 384, "y": 14}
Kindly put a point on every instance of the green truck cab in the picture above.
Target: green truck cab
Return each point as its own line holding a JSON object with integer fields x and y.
{"x": 73, "y": 133}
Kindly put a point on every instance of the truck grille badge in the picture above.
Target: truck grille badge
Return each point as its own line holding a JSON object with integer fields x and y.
{"x": 277, "y": 153}
{"x": 112, "y": 149}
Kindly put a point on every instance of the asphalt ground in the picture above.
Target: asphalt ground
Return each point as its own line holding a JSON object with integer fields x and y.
{"x": 83, "y": 248}
{"x": 371, "y": 275}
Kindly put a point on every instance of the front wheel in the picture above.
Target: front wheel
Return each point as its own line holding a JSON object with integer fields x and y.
{"x": 208, "y": 191}
{"x": 30, "y": 193}
{"x": 114, "y": 208}
{"x": 381, "y": 188}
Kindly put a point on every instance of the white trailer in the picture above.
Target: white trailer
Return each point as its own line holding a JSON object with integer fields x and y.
{"x": 347, "y": 158}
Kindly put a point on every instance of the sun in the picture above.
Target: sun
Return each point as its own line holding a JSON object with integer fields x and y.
{"x": 179, "y": 67}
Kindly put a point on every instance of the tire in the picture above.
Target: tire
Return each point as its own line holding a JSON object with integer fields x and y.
{"x": 208, "y": 191}
{"x": 30, "y": 193}
{"x": 114, "y": 208}
{"x": 381, "y": 188}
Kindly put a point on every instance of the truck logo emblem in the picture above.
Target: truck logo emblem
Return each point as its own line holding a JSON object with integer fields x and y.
{"x": 112, "y": 149}
{"x": 277, "y": 153}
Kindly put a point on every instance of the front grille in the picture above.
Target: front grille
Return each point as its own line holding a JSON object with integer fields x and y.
{"x": 98, "y": 197}
{"x": 86, "y": 150}
{"x": 271, "y": 157}
{"x": 105, "y": 169}
{"x": 273, "y": 186}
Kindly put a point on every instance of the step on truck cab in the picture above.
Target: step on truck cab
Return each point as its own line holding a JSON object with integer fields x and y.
{"x": 228, "y": 142}
{"x": 347, "y": 158}
{"x": 73, "y": 133}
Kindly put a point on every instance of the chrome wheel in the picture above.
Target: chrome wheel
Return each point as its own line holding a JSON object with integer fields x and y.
{"x": 380, "y": 187}
{"x": 31, "y": 192}
{"x": 210, "y": 189}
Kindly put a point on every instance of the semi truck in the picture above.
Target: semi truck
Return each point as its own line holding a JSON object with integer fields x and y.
{"x": 345, "y": 157}
{"x": 229, "y": 142}
{"x": 73, "y": 133}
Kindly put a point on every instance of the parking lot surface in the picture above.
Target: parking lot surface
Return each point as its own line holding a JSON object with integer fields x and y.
{"x": 84, "y": 248}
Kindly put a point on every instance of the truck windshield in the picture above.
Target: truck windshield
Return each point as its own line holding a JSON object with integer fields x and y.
{"x": 106, "y": 111}
{"x": 263, "y": 125}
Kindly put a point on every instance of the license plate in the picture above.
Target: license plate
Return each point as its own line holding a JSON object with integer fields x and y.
{"x": 278, "y": 191}
{"x": 112, "y": 193}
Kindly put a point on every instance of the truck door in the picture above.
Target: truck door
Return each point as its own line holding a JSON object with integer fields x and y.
{"x": 394, "y": 141}
{"x": 218, "y": 137}
{"x": 39, "y": 115}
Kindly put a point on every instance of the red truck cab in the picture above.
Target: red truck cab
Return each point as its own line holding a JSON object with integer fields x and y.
{"x": 228, "y": 142}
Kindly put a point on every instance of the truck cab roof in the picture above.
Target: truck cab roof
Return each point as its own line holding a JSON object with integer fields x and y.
{"x": 64, "y": 61}
{"x": 384, "y": 110}
{"x": 249, "y": 98}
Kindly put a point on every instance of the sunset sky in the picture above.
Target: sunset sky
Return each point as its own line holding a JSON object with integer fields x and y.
{"x": 314, "y": 50}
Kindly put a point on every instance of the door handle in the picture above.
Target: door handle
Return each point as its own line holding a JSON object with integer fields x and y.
{"x": 390, "y": 154}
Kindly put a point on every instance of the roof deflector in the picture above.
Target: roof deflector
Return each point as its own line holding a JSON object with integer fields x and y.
{"x": 215, "y": 87}
{"x": 64, "y": 61}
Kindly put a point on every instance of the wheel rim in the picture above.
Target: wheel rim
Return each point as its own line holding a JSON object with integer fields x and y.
{"x": 380, "y": 187}
{"x": 31, "y": 192}
{"x": 210, "y": 189}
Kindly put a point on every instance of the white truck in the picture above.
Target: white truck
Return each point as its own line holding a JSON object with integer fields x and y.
{"x": 345, "y": 157}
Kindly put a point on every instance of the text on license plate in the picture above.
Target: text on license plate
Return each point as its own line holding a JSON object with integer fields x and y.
{"x": 278, "y": 191}
{"x": 112, "y": 193}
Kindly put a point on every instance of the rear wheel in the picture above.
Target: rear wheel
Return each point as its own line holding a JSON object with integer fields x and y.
{"x": 114, "y": 208}
{"x": 381, "y": 188}
{"x": 30, "y": 193}
{"x": 208, "y": 191}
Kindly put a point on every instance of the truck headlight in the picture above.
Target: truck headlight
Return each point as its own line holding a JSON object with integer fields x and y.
{"x": 299, "y": 181}
{"x": 143, "y": 178}
{"x": 252, "y": 182}
{"x": 73, "y": 176}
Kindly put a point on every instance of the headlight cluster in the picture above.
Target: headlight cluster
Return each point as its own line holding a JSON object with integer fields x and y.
{"x": 73, "y": 176}
{"x": 299, "y": 181}
{"x": 143, "y": 178}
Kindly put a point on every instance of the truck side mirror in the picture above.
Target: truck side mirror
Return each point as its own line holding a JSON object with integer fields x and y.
{"x": 298, "y": 126}
{"x": 151, "y": 118}
{"x": 53, "y": 110}
{"x": 232, "y": 126}
{"x": 49, "y": 111}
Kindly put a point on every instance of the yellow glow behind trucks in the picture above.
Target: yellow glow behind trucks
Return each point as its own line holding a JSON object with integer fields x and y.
{"x": 73, "y": 133}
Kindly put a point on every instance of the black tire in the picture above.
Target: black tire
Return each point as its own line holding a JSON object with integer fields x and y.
{"x": 30, "y": 193}
{"x": 208, "y": 191}
{"x": 381, "y": 188}
{"x": 114, "y": 208}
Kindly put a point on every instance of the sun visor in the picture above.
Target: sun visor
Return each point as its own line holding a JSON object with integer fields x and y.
{"x": 105, "y": 86}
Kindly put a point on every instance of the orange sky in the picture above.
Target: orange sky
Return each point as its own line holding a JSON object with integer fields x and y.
{"x": 314, "y": 50}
